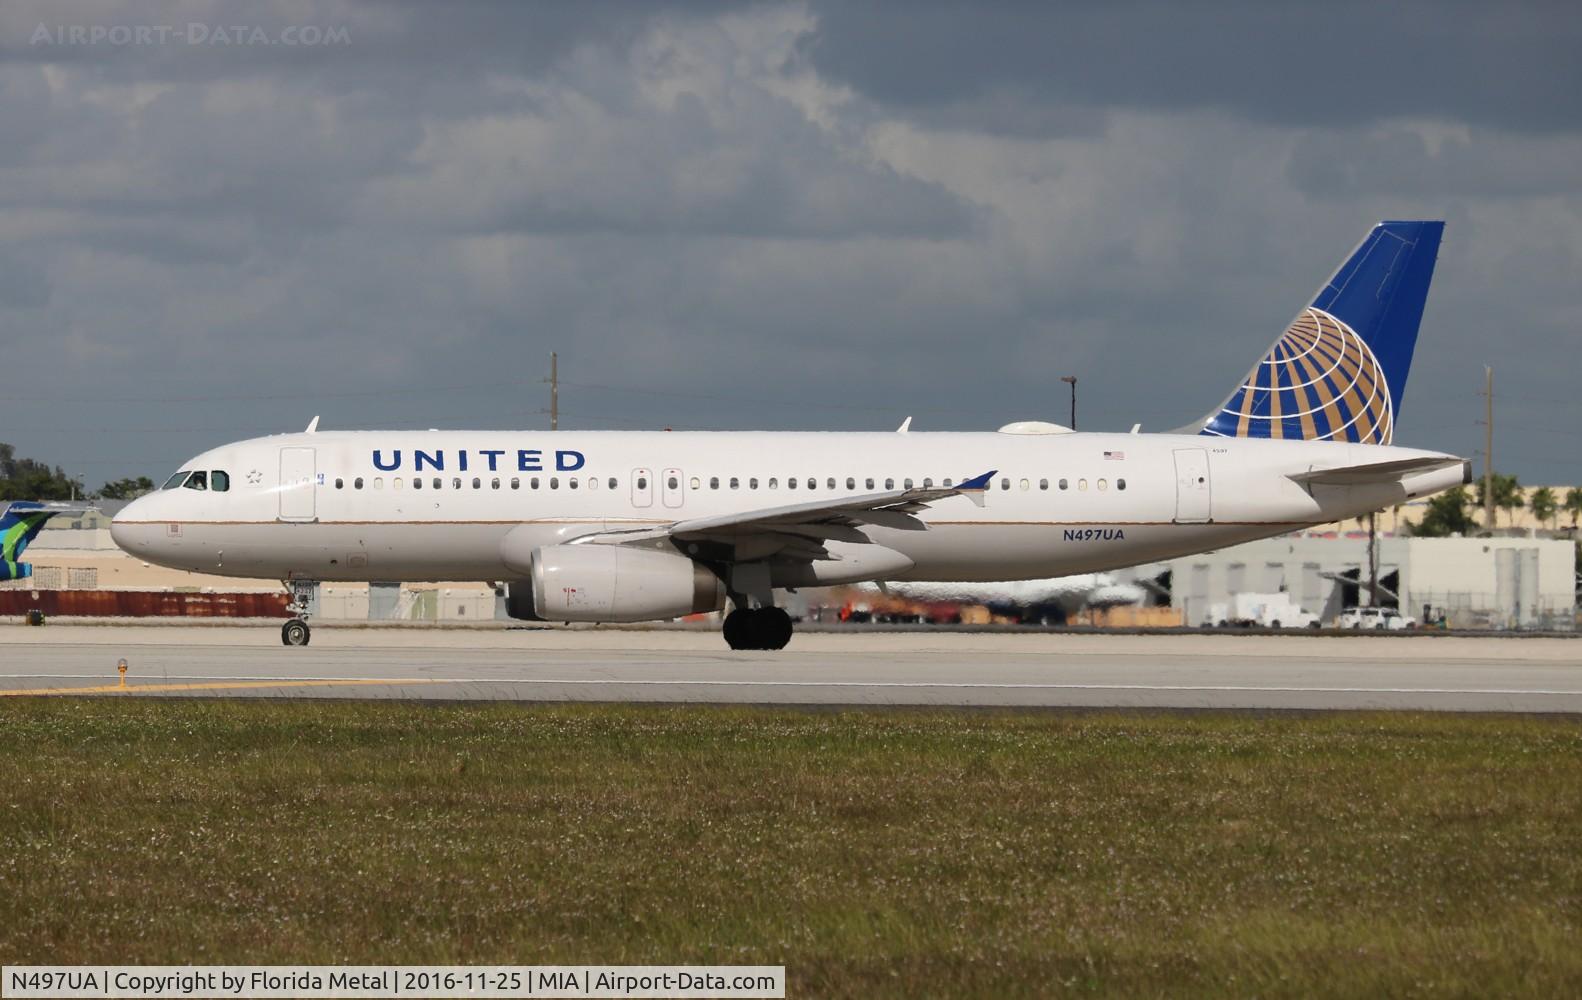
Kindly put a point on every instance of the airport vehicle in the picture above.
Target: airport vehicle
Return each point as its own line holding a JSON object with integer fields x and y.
{"x": 1261, "y": 611}
{"x": 1385, "y": 619}
{"x": 618, "y": 526}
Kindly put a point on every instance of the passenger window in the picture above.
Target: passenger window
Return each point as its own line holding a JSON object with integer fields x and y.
{"x": 593, "y": 482}
{"x": 571, "y": 482}
{"x": 197, "y": 481}
{"x": 613, "y": 484}
{"x": 1043, "y": 484}
{"x": 494, "y": 483}
{"x": 339, "y": 482}
{"x": 1082, "y": 484}
{"x": 851, "y": 483}
{"x": 673, "y": 483}
{"x": 714, "y": 482}
{"x": 752, "y": 483}
{"x": 554, "y": 482}
{"x": 694, "y": 482}
{"x": 735, "y": 483}
{"x": 455, "y": 483}
{"x": 907, "y": 483}
{"x": 379, "y": 482}
{"x": 1104, "y": 484}
{"x": 812, "y": 483}
{"x": 928, "y": 484}
{"x": 220, "y": 482}
{"x": 438, "y": 482}
{"x": 532, "y": 484}
{"x": 175, "y": 481}
{"x": 395, "y": 483}
{"x": 790, "y": 482}
{"x": 889, "y": 484}
{"x": 870, "y": 484}
{"x": 417, "y": 482}
{"x": 773, "y": 483}
{"x": 642, "y": 482}
{"x": 1120, "y": 484}
{"x": 831, "y": 483}
{"x": 516, "y": 483}
{"x": 357, "y": 483}
{"x": 947, "y": 484}
{"x": 1062, "y": 484}
{"x": 1026, "y": 485}
{"x": 477, "y": 483}
{"x": 1005, "y": 484}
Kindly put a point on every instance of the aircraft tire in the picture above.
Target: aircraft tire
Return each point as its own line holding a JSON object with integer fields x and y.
{"x": 295, "y": 633}
{"x": 776, "y": 627}
{"x": 738, "y": 629}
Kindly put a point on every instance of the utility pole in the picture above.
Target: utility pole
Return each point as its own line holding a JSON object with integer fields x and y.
{"x": 1071, "y": 380}
{"x": 554, "y": 391}
{"x": 1373, "y": 562}
{"x": 1488, "y": 448}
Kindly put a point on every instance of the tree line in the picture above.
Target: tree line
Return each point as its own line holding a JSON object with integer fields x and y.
{"x": 1455, "y": 511}
{"x": 30, "y": 479}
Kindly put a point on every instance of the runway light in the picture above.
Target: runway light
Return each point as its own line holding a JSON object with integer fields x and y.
{"x": 120, "y": 665}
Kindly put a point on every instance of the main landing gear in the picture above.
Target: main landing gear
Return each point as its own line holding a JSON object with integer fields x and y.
{"x": 296, "y": 632}
{"x": 757, "y": 628}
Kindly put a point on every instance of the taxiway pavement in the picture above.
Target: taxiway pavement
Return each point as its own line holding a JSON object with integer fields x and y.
{"x": 858, "y": 668}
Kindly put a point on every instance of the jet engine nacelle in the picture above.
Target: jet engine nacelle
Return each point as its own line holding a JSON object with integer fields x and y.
{"x": 613, "y": 583}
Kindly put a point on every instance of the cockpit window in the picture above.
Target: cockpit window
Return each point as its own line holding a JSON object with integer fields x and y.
{"x": 197, "y": 481}
{"x": 175, "y": 481}
{"x": 219, "y": 481}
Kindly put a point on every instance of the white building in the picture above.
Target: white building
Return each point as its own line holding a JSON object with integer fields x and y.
{"x": 1491, "y": 582}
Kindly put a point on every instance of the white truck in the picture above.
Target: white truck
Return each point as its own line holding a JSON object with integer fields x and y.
{"x": 1261, "y": 611}
{"x": 1383, "y": 619}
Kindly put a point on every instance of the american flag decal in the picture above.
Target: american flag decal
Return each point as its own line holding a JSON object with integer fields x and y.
{"x": 1114, "y": 456}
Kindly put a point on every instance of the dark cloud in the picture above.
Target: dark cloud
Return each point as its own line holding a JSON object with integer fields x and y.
{"x": 1512, "y": 65}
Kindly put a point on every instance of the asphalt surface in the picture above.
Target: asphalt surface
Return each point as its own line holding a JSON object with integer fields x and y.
{"x": 980, "y": 669}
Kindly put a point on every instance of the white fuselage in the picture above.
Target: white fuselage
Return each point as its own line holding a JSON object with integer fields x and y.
{"x": 344, "y": 505}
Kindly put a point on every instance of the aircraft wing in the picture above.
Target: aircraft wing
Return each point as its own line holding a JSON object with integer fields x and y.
{"x": 837, "y": 518}
{"x": 1376, "y": 472}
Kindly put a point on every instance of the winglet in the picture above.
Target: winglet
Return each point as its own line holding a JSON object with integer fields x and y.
{"x": 974, "y": 488}
{"x": 906, "y": 425}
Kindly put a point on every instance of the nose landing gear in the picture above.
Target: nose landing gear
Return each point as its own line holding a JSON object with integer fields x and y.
{"x": 296, "y": 631}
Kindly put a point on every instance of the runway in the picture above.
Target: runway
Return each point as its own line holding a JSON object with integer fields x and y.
{"x": 621, "y": 665}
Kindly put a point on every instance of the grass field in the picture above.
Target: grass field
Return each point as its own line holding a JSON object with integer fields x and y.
{"x": 871, "y": 852}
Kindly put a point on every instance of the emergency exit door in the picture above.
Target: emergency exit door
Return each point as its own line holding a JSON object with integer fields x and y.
{"x": 298, "y": 484}
{"x": 1193, "y": 488}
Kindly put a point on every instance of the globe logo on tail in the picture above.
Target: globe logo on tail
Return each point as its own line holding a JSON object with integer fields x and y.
{"x": 1320, "y": 382}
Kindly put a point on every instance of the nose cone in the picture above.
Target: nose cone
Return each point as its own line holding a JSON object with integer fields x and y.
{"x": 129, "y": 528}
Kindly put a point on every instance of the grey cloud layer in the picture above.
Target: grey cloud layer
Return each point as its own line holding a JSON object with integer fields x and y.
{"x": 762, "y": 216}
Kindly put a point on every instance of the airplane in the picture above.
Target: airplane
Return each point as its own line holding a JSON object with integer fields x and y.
{"x": 1044, "y": 602}
{"x": 20, "y": 523}
{"x": 615, "y": 526}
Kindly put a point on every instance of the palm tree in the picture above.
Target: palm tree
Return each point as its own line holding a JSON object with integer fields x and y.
{"x": 1574, "y": 503}
{"x": 1542, "y": 503}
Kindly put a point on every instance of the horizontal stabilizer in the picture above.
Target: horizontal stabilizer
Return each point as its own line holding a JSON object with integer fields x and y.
{"x": 1380, "y": 472}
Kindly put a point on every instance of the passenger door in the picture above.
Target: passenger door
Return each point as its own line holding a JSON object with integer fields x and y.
{"x": 298, "y": 492}
{"x": 1193, "y": 489}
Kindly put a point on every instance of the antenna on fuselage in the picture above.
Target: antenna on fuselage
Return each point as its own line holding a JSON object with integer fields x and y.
{"x": 906, "y": 425}
{"x": 313, "y": 426}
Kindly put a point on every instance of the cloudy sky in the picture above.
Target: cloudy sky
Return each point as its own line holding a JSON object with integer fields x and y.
{"x": 220, "y": 220}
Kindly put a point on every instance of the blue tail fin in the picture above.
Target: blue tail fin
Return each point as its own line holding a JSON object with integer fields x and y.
{"x": 1339, "y": 372}
{"x": 20, "y": 523}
